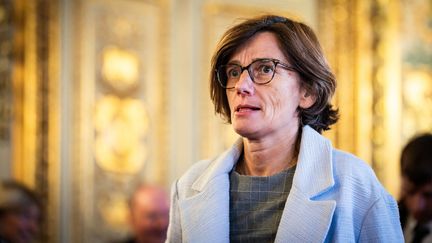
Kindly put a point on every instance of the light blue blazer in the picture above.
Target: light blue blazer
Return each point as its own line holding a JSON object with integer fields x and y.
{"x": 335, "y": 197}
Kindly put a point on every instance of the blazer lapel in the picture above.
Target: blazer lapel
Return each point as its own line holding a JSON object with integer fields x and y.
{"x": 305, "y": 218}
{"x": 206, "y": 213}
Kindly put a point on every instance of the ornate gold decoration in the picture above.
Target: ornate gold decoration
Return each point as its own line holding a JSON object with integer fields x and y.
{"x": 417, "y": 97}
{"x": 6, "y": 42}
{"x": 121, "y": 126}
{"x": 418, "y": 86}
{"x": 115, "y": 211}
{"x": 421, "y": 13}
{"x": 417, "y": 68}
{"x": 359, "y": 38}
{"x": 25, "y": 92}
{"x": 120, "y": 68}
{"x": 36, "y": 118}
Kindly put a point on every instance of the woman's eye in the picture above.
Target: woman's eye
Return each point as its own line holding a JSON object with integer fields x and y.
{"x": 266, "y": 69}
{"x": 233, "y": 73}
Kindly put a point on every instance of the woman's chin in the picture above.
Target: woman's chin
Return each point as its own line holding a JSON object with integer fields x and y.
{"x": 247, "y": 132}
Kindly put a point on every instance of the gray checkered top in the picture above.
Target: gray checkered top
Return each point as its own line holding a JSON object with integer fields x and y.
{"x": 256, "y": 205}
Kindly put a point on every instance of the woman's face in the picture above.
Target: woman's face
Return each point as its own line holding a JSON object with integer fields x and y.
{"x": 259, "y": 111}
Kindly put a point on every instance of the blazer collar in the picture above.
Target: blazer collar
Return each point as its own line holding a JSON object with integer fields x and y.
{"x": 306, "y": 218}
{"x": 223, "y": 164}
{"x": 314, "y": 167}
{"x": 314, "y": 161}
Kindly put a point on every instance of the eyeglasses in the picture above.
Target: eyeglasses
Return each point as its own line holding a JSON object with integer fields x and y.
{"x": 261, "y": 71}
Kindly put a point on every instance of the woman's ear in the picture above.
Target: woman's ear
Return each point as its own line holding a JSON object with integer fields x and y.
{"x": 306, "y": 99}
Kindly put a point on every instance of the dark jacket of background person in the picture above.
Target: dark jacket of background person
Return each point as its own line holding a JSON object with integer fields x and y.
{"x": 20, "y": 213}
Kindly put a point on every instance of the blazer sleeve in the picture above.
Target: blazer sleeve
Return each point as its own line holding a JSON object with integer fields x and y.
{"x": 174, "y": 233}
{"x": 382, "y": 223}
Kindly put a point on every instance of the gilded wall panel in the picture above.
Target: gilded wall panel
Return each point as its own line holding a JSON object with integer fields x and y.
{"x": 340, "y": 40}
{"x": 389, "y": 68}
{"x": 25, "y": 85}
{"x": 35, "y": 116}
{"x": 386, "y": 93}
{"x": 120, "y": 112}
{"x": 416, "y": 38}
{"x": 6, "y": 44}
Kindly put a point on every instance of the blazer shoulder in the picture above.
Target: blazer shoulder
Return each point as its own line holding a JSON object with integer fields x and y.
{"x": 346, "y": 163}
{"x": 359, "y": 175}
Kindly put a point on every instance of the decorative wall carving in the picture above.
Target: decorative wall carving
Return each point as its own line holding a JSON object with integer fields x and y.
{"x": 35, "y": 144}
{"x": 385, "y": 146}
{"x": 6, "y": 45}
{"x": 382, "y": 91}
{"x": 121, "y": 104}
{"x": 6, "y": 87}
{"x": 121, "y": 126}
{"x": 355, "y": 38}
{"x": 416, "y": 39}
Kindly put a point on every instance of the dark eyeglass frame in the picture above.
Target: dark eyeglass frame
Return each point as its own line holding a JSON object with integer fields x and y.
{"x": 276, "y": 62}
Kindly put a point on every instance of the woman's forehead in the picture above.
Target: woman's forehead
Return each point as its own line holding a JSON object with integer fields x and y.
{"x": 261, "y": 45}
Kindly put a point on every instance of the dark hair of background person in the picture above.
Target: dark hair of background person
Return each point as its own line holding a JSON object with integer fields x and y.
{"x": 16, "y": 197}
{"x": 302, "y": 50}
{"x": 416, "y": 160}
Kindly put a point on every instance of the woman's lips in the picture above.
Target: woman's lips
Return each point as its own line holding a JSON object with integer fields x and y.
{"x": 244, "y": 109}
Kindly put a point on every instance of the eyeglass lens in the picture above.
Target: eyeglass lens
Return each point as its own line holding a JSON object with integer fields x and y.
{"x": 260, "y": 71}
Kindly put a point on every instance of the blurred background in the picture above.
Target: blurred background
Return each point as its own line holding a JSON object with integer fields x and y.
{"x": 97, "y": 96}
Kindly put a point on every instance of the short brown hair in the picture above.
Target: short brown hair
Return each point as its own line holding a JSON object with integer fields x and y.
{"x": 16, "y": 197}
{"x": 301, "y": 48}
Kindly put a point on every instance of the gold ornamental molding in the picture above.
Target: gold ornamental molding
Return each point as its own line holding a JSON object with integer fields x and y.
{"x": 361, "y": 40}
{"x": 36, "y": 117}
{"x": 417, "y": 67}
{"x": 120, "y": 68}
{"x": 121, "y": 111}
{"x": 121, "y": 126}
{"x": 387, "y": 103}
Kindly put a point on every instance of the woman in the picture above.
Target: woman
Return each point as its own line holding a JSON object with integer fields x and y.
{"x": 281, "y": 181}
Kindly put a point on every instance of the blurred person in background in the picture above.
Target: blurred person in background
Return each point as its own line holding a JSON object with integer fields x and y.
{"x": 20, "y": 213}
{"x": 149, "y": 214}
{"x": 415, "y": 204}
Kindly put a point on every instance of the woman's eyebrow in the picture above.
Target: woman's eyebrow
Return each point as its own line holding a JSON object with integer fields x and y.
{"x": 236, "y": 62}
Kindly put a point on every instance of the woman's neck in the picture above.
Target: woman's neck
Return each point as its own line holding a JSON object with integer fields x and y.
{"x": 267, "y": 157}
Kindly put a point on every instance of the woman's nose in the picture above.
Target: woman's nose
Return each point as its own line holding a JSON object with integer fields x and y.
{"x": 245, "y": 85}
